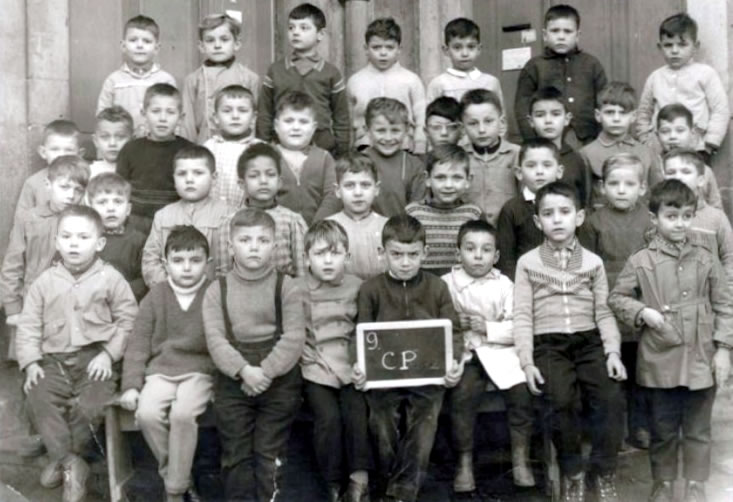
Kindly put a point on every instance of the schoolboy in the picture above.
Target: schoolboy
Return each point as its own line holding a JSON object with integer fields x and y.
{"x": 308, "y": 175}
{"x": 340, "y": 427}
{"x": 483, "y": 298}
{"x": 401, "y": 173}
{"x": 683, "y": 80}
{"x": 616, "y": 112}
{"x": 462, "y": 45}
{"x": 109, "y": 195}
{"x": 304, "y": 69}
{"x": 578, "y": 75}
{"x": 113, "y": 129}
{"x": 193, "y": 173}
{"x": 219, "y": 41}
{"x": 147, "y": 163}
{"x": 167, "y": 372}
{"x": 444, "y": 211}
{"x": 358, "y": 186}
{"x": 75, "y": 323}
{"x": 676, "y": 278}
{"x": 259, "y": 170}
{"x": 493, "y": 159}
{"x": 235, "y": 112}
{"x": 385, "y": 77}
{"x": 549, "y": 117}
{"x": 255, "y": 331}
{"x": 405, "y": 293}
{"x": 60, "y": 137}
{"x": 568, "y": 342}
{"x": 126, "y": 86}
{"x": 443, "y": 122}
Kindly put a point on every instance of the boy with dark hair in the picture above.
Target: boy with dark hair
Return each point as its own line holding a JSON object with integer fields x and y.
{"x": 305, "y": 70}
{"x": 443, "y": 121}
{"x": 578, "y": 75}
{"x": 113, "y": 129}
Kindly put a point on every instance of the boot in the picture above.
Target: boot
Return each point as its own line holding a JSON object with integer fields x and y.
{"x": 606, "y": 488}
{"x": 662, "y": 491}
{"x": 521, "y": 470}
{"x": 52, "y": 475}
{"x": 463, "y": 481}
{"x": 76, "y": 472}
{"x": 573, "y": 488}
{"x": 695, "y": 491}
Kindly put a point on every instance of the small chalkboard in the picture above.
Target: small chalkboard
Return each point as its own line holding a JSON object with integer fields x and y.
{"x": 404, "y": 353}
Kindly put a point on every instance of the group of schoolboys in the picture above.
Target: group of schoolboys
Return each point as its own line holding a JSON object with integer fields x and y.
{"x": 252, "y": 258}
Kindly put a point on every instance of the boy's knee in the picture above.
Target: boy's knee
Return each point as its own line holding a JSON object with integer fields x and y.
{"x": 148, "y": 416}
{"x": 92, "y": 411}
{"x": 181, "y": 415}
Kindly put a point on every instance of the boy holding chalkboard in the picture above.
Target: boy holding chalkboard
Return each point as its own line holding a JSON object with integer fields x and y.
{"x": 405, "y": 293}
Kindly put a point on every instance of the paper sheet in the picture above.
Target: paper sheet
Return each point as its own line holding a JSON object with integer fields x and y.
{"x": 502, "y": 365}
{"x": 515, "y": 59}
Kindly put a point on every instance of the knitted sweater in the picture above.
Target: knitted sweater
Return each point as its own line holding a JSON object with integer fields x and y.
{"x": 401, "y": 180}
{"x": 365, "y": 243}
{"x": 493, "y": 181}
{"x": 455, "y": 83}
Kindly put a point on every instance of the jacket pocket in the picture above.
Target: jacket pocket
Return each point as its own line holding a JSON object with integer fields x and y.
{"x": 666, "y": 337}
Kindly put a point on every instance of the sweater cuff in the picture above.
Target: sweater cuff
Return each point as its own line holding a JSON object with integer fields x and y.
{"x": 12, "y": 308}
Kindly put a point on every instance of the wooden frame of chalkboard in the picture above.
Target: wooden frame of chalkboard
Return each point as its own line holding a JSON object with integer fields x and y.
{"x": 404, "y": 353}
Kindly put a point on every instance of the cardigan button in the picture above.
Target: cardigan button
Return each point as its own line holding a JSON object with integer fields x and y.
{"x": 571, "y": 100}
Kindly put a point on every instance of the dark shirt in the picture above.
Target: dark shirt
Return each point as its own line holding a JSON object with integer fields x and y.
{"x": 124, "y": 252}
{"x": 576, "y": 172}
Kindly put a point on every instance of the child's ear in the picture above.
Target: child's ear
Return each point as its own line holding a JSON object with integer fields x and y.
{"x": 445, "y": 50}
{"x": 82, "y": 151}
{"x": 537, "y": 222}
{"x": 377, "y": 188}
{"x": 101, "y": 242}
{"x": 337, "y": 190}
{"x": 518, "y": 173}
{"x": 642, "y": 189}
{"x": 529, "y": 121}
{"x": 47, "y": 183}
{"x": 427, "y": 178}
{"x": 568, "y": 118}
{"x": 320, "y": 34}
{"x": 237, "y": 44}
{"x": 653, "y": 218}
{"x": 202, "y": 48}
{"x": 579, "y": 217}
{"x": 42, "y": 152}
{"x": 560, "y": 171}
{"x": 496, "y": 257}
{"x": 598, "y": 115}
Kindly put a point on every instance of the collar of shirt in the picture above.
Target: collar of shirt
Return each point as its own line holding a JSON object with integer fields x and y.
{"x": 666, "y": 246}
{"x": 462, "y": 280}
{"x": 90, "y": 270}
{"x": 218, "y": 138}
{"x": 474, "y": 74}
{"x": 431, "y": 201}
{"x": 681, "y": 68}
{"x": 45, "y": 210}
{"x": 407, "y": 282}
{"x": 609, "y": 142}
{"x": 224, "y": 64}
{"x": 140, "y": 72}
{"x": 272, "y": 205}
{"x": 550, "y": 54}
{"x": 529, "y": 195}
{"x": 565, "y": 258}
{"x": 487, "y": 150}
{"x": 305, "y": 62}
{"x": 314, "y": 283}
{"x": 115, "y": 231}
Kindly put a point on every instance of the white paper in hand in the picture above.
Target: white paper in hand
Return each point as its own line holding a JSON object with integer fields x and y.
{"x": 502, "y": 365}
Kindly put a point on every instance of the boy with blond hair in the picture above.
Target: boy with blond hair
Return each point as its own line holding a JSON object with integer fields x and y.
{"x": 113, "y": 129}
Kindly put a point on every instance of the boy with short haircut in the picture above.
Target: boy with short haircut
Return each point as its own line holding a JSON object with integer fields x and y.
{"x": 358, "y": 186}
{"x": 113, "y": 130}
{"x": 340, "y": 427}
{"x": 674, "y": 290}
{"x": 235, "y": 112}
{"x": 259, "y": 170}
{"x": 194, "y": 172}
{"x": 385, "y": 77}
{"x": 493, "y": 159}
{"x": 167, "y": 372}
{"x": 405, "y": 293}
{"x": 73, "y": 329}
{"x": 549, "y": 116}
{"x": 616, "y": 112}
{"x": 147, "y": 163}
{"x": 697, "y": 86}
{"x": 126, "y": 86}
{"x": 109, "y": 195}
{"x": 578, "y": 75}
{"x": 219, "y": 42}
{"x": 444, "y": 211}
{"x": 303, "y": 69}
{"x": 255, "y": 332}
{"x": 443, "y": 122}
{"x": 401, "y": 174}
{"x": 483, "y": 298}
{"x": 563, "y": 326}
{"x": 308, "y": 176}
{"x": 462, "y": 45}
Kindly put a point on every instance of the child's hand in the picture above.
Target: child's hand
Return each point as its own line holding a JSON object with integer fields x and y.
{"x": 454, "y": 374}
{"x": 534, "y": 379}
{"x": 615, "y": 367}
{"x": 652, "y": 318}
{"x": 12, "y": 320}
{"x": 255, "y": 379}
{"x": 128, "y": 400}
{"x": 478, "y": 325}
{"x": 33, "y": 374}
{"x": 721, "y": 366}
{"x": 358, "y": 378}
{"x": 100, "y": 368}
{"x": 465, "y": 321}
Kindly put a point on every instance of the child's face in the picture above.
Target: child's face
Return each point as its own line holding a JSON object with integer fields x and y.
{"x": 357, "y": 191}
{"x": 483, "y": 124}
{"x": 162, "y": 115}
{"x": 387, "y": 137}
{"x": 186, "y": 267}
{"x": 675, "y": 133}
{"x": 193, "y": 179}
{"x": 549, "y": 119}
{"x": 561, "y": 35}
{"x": 303, "y": 34}
{"x": 57, "y": 145}
{"x": 441, "y": 131}
{"x": 234, "y": 116}
{"x": 78, "y": 241}
{"x": 677, "y": 50}
{"x": 261, "y": 180}
{"x": 382, "y": 53}
{"x": 403, "y": 259}
{"x": 478, "y": 253}
{"x": 463, "y": 52}
{"x": 672, "y": 223}
{"x": 558, "y": 218}
{"x": 326, "y": 262}
{"x": 139, "y": 47}
{"x": 109, "y": 138}
{"x": 252, "y": 247}
{"x": 679, "y": 169}
{"x": 623, "y": 187}
{"x": 113, "y": 207}
{"x": 615, "y": 121}
{"x": 539, "y": 167}
{"x": 219, "y": 45}
{"x": 295, "y": 128}
{"x": 448, "y": 181}
{"x": 63, "y": 191}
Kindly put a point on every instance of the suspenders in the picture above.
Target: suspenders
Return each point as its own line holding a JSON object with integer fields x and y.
{"x": 278, "y": 307}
